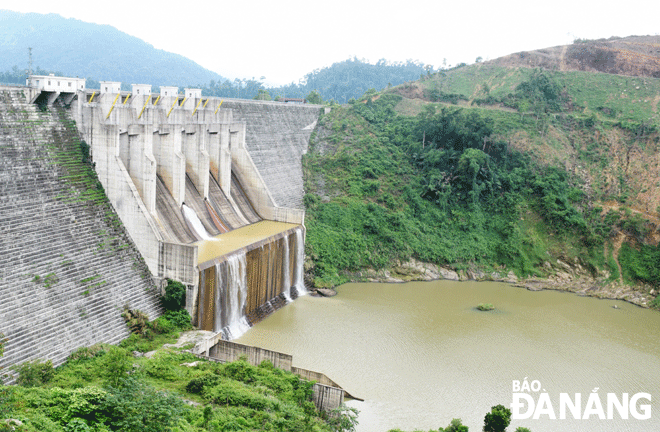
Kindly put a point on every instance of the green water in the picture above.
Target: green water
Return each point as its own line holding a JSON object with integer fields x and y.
{"x": 420, "y": 354}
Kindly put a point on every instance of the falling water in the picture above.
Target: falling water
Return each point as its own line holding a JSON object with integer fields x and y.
{"x": 195, "y": 224}
{"x": 235, "y": 297}
{"x": 286, "y": 275}
{"x": 298, "y": 271}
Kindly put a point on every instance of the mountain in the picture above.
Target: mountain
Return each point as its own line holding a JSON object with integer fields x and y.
{"x": 538, "y": 167}
{"x": 99, "y": 52}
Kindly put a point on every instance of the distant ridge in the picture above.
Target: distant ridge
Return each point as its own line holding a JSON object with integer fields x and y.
{"x": 100, "y": 52}
{"x": 632, "y": 55}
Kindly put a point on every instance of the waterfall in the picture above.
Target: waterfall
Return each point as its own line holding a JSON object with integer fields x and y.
{"x": 286, "y": 275}
{"x": 235, "y": 297}
{"x": 298, "y": 270}
{"x": 194, "y": 223}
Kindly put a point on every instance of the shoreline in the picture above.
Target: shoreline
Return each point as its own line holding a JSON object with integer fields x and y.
{"x": 570, "y": 279}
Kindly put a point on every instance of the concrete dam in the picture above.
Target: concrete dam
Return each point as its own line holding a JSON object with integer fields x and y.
{"x": 199, "y": 189}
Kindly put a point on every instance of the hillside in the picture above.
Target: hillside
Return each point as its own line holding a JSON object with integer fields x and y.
{"x": 492, "y": 171}
{"x": 633, "y": 55}
{"x": 99, "y": 52}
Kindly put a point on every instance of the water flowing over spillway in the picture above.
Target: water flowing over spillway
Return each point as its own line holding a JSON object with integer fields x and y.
{"x": 298, "y": 272}
{"x": 194, "y": 223}
{"x": 245, "y": 284}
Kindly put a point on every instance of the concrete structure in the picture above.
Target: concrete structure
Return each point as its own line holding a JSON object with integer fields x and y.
{"x": 193, "y": 93}
{"x": 67, "y": 265}
{"x": 327, "y": 396}
{"x": 52, "y": 83}
{"x": 154, "y": 154}
{"x": 166, "y": 91}
{"x": 110, "y": 87}
{"x": 141, "y": 89}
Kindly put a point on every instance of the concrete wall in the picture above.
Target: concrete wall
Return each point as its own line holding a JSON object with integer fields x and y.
{"x": 146, "y": 138}
{"x": 327, "y": 395}
{"x": 276, "y": 137}
{"x": 67, "y": 265}
{"x": 230, "y": 351}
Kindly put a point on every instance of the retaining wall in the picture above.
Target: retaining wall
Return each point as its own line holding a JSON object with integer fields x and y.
{"x": 67, "y": 265}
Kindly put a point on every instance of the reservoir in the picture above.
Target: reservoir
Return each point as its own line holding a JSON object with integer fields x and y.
{"x": 420, "y": 354}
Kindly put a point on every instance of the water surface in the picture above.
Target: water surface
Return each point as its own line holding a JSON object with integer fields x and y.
{"x": 420, "y": 354}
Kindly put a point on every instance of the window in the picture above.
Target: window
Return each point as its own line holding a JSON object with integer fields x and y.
{"x": 69, "y": 84}
{"x": 48, "y": 82}
{"x": 138, "y": 91}
{"x": 106, "y": 89}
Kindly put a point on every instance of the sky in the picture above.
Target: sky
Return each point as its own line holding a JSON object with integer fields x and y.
{"x": 282, "y": 40}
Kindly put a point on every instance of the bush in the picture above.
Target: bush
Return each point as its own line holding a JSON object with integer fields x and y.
{"x": 34, "y": 373}
{"x": 137, "y": 407}
{"x": 197, "y": 385}
{"x": 180, "y": 319}
{"x": 115, "y": 365}
{"x": 175, "y": 296}
{"x": 485, "y": 306}
{"x": 136, "y": 320}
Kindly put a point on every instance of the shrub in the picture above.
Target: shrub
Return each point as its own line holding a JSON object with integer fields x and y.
{"x": 197, "y": 385}
{"x": 115, "y": 365}
{"x": 180, "y": 319}
{"x": 35, "y": 373}
{"x": 136, "y": 320}
{"x": 138, "y": 407}
{"x": 175, "y": 295}
{"x": 485, "y": 306}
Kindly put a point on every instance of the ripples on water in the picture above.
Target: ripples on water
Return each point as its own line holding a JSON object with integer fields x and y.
{"x": 420, "y": 354}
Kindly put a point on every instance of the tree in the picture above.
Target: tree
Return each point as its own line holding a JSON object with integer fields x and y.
{"x": 454, "y": 426}
{"x": 497, "y": 419}
{"x": 116, "y": 365}
{"x": 314, "y": 97}
{"x": 263, "y": 95}
{"x": 175, "y": 295}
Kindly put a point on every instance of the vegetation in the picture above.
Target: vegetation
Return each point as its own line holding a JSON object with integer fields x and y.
{"x": 439, "y": 187}
{"x": 497, "y": 419}
{"x": 339, "y": 82}
{"x": 444, "y": 181}
{"x": 485, "y": 306}
{"x": 108, "y": 388}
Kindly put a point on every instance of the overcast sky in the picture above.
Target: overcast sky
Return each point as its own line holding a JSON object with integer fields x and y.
{"x": 285, "y": 39}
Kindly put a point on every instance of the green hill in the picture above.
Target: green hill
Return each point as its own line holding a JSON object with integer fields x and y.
{"x": 99, "y": 52}
{"x": 490, "y": 169}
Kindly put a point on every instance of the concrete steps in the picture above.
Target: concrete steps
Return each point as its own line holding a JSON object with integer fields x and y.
{"x": 55, "y": 225}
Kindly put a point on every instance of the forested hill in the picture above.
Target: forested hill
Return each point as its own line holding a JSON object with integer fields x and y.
{"x": 339, "y": 82}
{"x": 100, "y": 52}
{"x": 494, "y": 171}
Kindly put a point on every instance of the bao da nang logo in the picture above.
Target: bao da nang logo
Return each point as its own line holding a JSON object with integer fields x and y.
{"x": 531, "y": 401}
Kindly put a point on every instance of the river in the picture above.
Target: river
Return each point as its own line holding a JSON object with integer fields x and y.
{"x": 420, "y": 354}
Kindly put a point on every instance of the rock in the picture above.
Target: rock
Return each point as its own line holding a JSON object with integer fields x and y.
{"x": 137, "y": 354}
{"x": 616, "y": 307}
{"x": 13, "y": 422}
{"x": 448, "y": 274}
{"x": 191, "y": 364}
{"x": 563, "y": 265}
{"x": 511, "y": 277}
{"x": 326, "y": 292}
{"x": 149, "y": 354}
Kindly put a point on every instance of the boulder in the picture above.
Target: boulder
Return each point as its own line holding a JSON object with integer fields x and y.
{"x": 326, "y": 292}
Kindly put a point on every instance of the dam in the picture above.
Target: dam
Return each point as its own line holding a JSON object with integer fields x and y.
{"x": 204, "y": 191}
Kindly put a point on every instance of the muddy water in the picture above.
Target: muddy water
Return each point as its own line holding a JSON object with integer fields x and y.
{"x": 420, "y": 354}
{"x": 233, "y": 240}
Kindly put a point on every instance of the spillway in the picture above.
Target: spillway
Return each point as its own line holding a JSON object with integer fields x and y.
{"x": 201, "y": 206}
